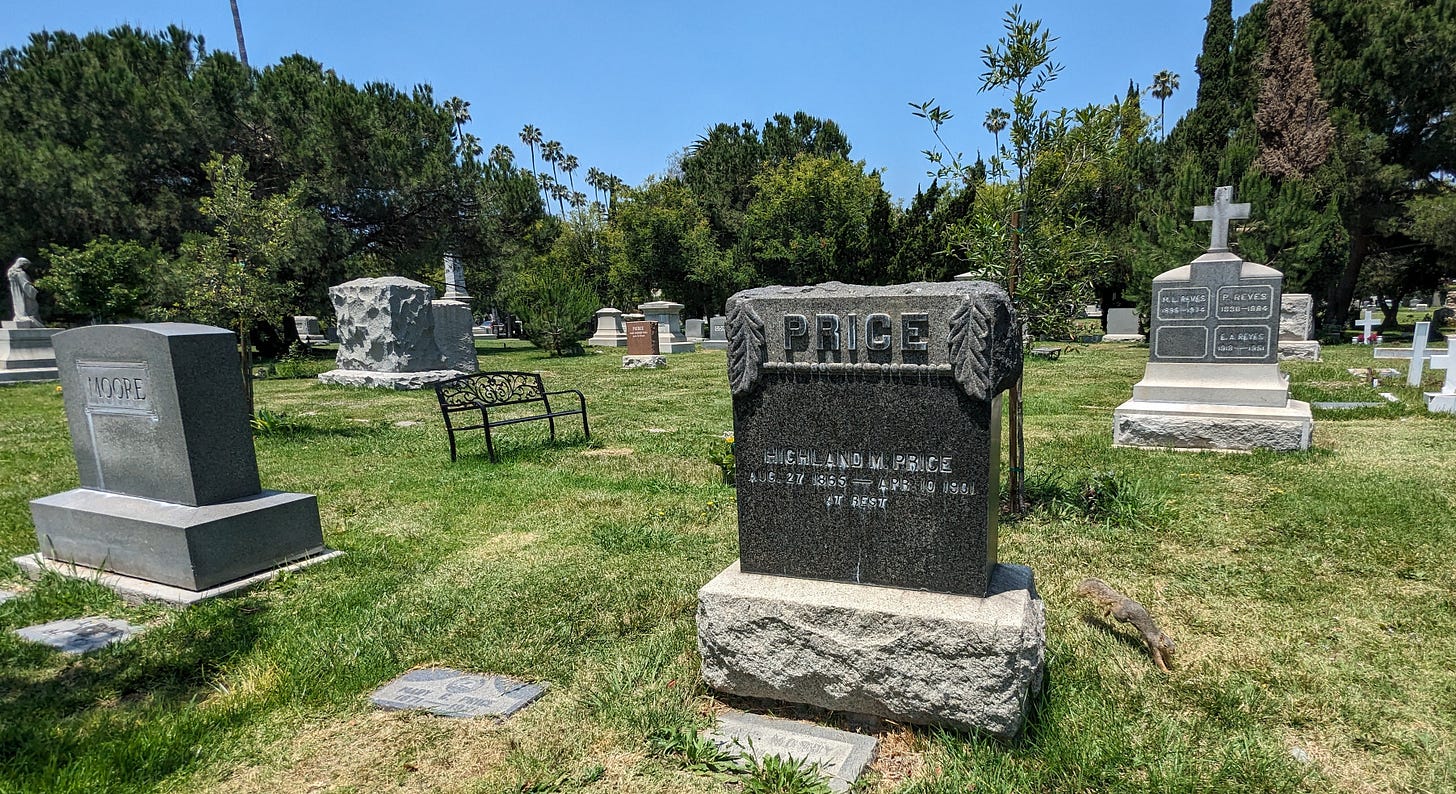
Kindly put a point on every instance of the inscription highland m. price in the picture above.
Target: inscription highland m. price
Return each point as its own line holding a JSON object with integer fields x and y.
{"x": 860, "y": 480}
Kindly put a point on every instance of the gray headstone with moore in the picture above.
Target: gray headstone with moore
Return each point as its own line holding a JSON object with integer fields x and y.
{"x": 169, "y": 481}
{"x": 866, "y": 426}
{"x": 1212, "y": 379}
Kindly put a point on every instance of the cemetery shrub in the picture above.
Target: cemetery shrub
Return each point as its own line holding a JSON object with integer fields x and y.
{"x": 104, "y": 281}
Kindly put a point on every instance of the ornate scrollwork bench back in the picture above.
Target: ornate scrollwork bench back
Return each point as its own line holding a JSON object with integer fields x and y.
{"x": 482, "y": 391}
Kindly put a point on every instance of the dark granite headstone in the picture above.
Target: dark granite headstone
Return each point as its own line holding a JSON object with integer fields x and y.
{"x": 867, "y": 431}
{"x": 1219, "y": 309}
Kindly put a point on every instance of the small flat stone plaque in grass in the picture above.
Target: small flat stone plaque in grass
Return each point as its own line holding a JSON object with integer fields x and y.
{"x": 6, "y": 595}
{"x": 79, "y": 635}
{"x": 842, "y": 756}
{"x": 452, "y": 693}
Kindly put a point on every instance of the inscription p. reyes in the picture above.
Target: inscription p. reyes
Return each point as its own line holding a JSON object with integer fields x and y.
{"x": 116, "y": 387}
{"x": 876, "y": 331}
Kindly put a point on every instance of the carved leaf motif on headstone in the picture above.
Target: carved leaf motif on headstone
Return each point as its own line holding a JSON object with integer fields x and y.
{"x": 746, "y": 347}
{"x": 971, "y": 328}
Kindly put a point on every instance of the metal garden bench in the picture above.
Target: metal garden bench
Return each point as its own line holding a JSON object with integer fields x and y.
{"x": 482, "y": 391}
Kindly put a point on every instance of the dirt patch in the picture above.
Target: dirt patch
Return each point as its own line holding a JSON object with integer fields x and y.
{"x": 609, "y": 452}
{"x": 378, "y": 751}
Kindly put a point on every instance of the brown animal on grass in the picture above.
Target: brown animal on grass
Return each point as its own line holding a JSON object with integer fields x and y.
{"x": 1116, "y": 605}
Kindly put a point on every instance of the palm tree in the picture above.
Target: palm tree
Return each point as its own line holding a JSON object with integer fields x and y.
{"x": 569, "y": 164}
{"x": 238, "y": 26}
{"x": 502, "y": 155}
{"x": 1164, "y": 84}
{"x": 459, "y": 110}
{"x": 996, "y": 120}
{"x": 531, "y": 136}
{"x": 470, "y": 146}
{"x": 551, "y": 153}
{"x": 594, "y": 179}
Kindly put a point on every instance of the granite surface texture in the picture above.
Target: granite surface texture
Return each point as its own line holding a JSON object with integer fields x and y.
{"x": 190, "y": 547}
{"x": 156, "y": 410}
{"x": 923, "y": 658}
{"x": 841, "y": 755}
{"x": 385, "y": 325}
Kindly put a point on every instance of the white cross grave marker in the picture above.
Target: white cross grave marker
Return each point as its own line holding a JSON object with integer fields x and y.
{"x": 1367, "y": 322}
{"x": 1221, "y": 212}
{"x": 1447, "y": 361}
{"x": 1417, "y": 353}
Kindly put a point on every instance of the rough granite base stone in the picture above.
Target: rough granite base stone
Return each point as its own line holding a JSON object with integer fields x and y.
{"x": 141, "y": 591}
{"x": 193, "y": 548}
{"x": 643, "y": 362}
{"x": 1191, "y": 426}
{"x": 908, "y": 655}
{"x": 1124, "y": 338}
{"x": 399, "y": 381}
{"x": 1298, "y": 351}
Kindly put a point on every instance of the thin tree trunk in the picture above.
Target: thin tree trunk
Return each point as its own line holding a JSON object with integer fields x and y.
{"x": 1339, "y": 308}
{"x": 238, "y": 26}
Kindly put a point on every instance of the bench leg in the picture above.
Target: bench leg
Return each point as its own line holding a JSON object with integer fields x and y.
{"x": 584, "y": 429}
{"x": 551, "y": 420}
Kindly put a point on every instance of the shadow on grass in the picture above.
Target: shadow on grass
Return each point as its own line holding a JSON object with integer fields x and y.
{"x": 121, "y": 715}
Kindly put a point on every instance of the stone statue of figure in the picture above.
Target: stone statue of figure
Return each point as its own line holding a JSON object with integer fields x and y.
{"x": 22, "y": 297}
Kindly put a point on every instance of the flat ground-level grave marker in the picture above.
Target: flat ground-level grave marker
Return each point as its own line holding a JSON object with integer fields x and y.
{"x": 842, "y": 756}
{"x": 79, "y": 635}
{"x": 452, "y": 693}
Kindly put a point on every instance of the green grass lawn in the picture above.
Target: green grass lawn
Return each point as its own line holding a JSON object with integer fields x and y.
{"x": 1312, "y": 597}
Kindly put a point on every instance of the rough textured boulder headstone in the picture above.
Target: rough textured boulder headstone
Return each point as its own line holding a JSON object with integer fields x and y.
{"x": 387, "y": 338}
{"x": 1212, "y": 379}
{"x": 1296, "y": 328}
{"x": 867, "y": 428}
{"x": 169, "y": 482}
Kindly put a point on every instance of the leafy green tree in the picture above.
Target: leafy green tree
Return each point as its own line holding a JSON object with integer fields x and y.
{"x": 105, "y": 281}
{"x": 810, "y": 221}
{"x": 668, "y": 245}
{"x": 231, "y": 272}
{"x": 553, "y": 294}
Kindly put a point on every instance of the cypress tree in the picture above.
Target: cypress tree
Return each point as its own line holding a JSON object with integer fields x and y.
{"x": 1295, "y": 134}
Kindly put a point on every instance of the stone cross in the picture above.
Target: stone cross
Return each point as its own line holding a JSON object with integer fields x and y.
{"x": 1367, "y": 322}
{"x": 1417, "y": 354}
{"x": 1221, "y": 212}
{"x": 1447, "y": 361}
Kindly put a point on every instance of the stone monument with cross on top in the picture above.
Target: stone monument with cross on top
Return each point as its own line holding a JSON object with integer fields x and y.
{"x": 1213, "y": 379}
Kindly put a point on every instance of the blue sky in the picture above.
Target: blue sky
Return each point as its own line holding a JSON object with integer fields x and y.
{"x": 624, "y": 85}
